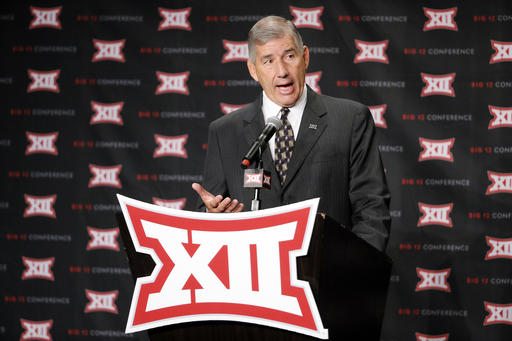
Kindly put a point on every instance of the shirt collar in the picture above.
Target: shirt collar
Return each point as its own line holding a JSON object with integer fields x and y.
{"x": 270, "y": 108}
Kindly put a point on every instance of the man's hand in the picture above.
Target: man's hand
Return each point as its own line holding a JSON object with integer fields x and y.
{"x": 216, "y": 203}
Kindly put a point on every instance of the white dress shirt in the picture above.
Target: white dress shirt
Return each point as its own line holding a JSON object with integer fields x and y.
{"x": 270, "y": 108}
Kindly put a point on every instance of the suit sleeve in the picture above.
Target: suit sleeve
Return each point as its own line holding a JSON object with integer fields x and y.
{"x": 214, "y": 179}
{"x": 368, "y": 191}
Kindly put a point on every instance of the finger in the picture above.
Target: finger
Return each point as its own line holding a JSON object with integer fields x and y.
{"x": 231, "y": 206}
{"x": 204, "y": 194}
{"x": 212, "y": 203}
{"x": 239, "y": 208}
{"x": 223, "y": 204}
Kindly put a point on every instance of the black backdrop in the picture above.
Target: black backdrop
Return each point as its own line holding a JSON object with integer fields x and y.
{"x": 105, "y": 97}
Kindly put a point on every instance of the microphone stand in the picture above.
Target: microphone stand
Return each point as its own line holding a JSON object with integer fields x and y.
{"x": 255, "y": 203}
{"x": 257, "y": 178}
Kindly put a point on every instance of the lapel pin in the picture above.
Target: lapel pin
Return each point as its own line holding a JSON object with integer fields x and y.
{"x": 312, "y": 126}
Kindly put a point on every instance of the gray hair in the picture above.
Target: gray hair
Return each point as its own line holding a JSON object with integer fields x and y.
{"x": 269, "y": 28}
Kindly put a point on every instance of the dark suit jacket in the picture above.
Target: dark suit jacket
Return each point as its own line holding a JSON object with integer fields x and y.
{"x": 335, "y": 158}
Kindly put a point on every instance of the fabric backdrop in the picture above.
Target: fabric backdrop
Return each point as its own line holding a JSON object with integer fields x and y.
{"x": 106, "y": 97}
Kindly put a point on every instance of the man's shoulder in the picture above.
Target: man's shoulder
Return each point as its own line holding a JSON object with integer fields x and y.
{"x": 235, "y": 117}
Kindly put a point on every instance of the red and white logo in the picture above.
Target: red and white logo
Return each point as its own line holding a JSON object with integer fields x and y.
{"x": 438, "y": 85}
{"x": 43, "y": 81}
{"x": 435, "y": 214}
{"x": 312, "y": 80}
{"x": 40, "y": 206}
{"x": 503, "y": 52}
{"x": 45, "y": 17}
{"x": 498, "y": 313}
{"x": 500, "y": 183}
{"x": 440, "y": 19}
{"x": 36, "y": 330}
{"x": 436, "y": 149}
{"x": 236, "y": 267}
{"x": 228, "y": 108}
{"x": 108, "y": 50}
{"x": 307, "y": 17}
{"x": 502, "y": 117}
{"x": 236, "y": 51}
{"x": 38, "y": 268}
{"x": 253, "y": 178}
{"x": 372, "y": 51}
{"x": 426, "y": 337}
{"x": 176, "y": 204}
{"x": 378, "y": 112}
{"x": 500, "y": 248}
{"x": 101, "y": 301}
{"x": 171, "y": 146}
{"x": 105, "y": 176}
{"x": 41, "y": 143}
{"x": 103, "y": 239}
{"x": 174, "y": 18}
{"x": 172, "y": 82}
{"x": 433, "y": 280}
{"x": 107, "y": 113}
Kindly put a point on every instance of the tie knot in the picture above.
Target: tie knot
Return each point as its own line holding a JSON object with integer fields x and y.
{"x": 284, "y": 112}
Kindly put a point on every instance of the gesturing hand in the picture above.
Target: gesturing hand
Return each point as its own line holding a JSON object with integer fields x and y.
{"x": 216, "y": 203}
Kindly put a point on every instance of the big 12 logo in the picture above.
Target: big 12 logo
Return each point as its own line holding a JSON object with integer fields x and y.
{"x": 228, "y": 267}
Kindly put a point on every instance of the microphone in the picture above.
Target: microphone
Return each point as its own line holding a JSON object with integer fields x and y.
{"x": 273, "y": 124}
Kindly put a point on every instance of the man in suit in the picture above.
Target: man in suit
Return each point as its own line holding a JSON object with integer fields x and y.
{"x": 326, "y": 147}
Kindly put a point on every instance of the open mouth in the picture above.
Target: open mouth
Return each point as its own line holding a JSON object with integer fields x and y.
{"x": 285, "y": 89}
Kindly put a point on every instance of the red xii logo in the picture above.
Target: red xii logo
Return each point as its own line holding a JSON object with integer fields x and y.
{"x": 372, "y": 52}
{"x": 45, "y": 17}
{"x": 500, "y": 248}
{"x": 501, "y": 183}
{"x": 498, "y": 313}
{"x": 105, "y": 176}
{"x": 177, "y": 19}
{"x": 172, "y": 82}
{"x": 36, "y": 330}
{"x": 435, "y": 214}
{"x": 43, "y": 81}
{"x": 436, "y": 149}
{"x": 237, "y": 267}
{"x": 440, "y": 19}
{"x": 503, "y": 52}
{"x": 438, "y": 85}
{"x": 433, "y": 279}
{"x": 307, "y": 17}
{"x": 108, "y": 50}
{"x": 236, "y": 51}
{"x": 42, "y": 143}
{"x": 103, "y": 239}
{"x": 101, "y": 301}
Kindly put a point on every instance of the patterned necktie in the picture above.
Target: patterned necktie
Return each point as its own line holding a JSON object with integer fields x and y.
{"x": 284, "y": 145}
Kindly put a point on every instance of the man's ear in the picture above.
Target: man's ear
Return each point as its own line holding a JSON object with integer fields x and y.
{"x": 306, "y": 56}
{"x": 252, "y": 70}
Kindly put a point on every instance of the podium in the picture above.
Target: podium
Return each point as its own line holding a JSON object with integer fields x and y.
{"x": 348, "y": 277}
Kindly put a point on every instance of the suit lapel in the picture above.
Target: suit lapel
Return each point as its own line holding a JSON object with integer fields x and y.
{"x": 312, "y": 125}
{"x": 253, "y": 126}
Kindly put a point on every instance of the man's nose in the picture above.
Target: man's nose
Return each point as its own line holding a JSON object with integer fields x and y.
{"x": 281, "y": 69}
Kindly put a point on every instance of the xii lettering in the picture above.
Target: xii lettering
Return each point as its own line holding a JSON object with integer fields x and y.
{"x": 232, "y": 285}
{"x": 500, "y": 248}
{"x": 503, "y": 52}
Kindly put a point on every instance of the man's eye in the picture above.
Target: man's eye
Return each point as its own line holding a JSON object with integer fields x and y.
{"x": 268, "y": 61}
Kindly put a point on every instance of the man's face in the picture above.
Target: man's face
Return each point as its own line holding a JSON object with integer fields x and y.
{"x": 280, "y": 69}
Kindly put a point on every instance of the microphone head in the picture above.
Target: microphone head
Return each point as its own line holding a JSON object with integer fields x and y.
{"x": 275, "y": 122}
